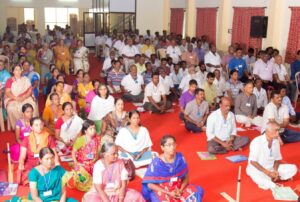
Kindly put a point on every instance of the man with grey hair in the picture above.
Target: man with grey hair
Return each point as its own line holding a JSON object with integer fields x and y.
{"x": 264, "y": 165}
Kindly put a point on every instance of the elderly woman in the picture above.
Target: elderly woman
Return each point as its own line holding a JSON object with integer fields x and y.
{"x": 81, "y": 57}
{"x": 18, "y": 91}
{"x": 31, "y": 146}
{"x": 110, "y": 179}
{"x": 54, "y": 189}
{"x": 166, "y": 178}
{"x": 134, "y": 141}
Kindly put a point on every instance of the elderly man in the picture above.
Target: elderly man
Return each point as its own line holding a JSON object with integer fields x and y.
{"x": 264, "y": 165}
{"x": 277, "y": 112}
{"x": 221, "y": 130}
{"x": 184, "y": 84}
{"x": 174, "y": 52}
{"x": 133, "y": 86}
{"x": 245, "y": 106}
{"x": 196, "y": 112}
{"x": 155, "y": 99}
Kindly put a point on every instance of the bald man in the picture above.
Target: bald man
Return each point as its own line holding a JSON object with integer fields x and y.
{"x": 221, "y": 130}
{"x": 264, "y": 165}
{"x": 281, "y": 76}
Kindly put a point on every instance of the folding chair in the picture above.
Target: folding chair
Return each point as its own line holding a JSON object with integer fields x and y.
{"x": 297, "y": 93}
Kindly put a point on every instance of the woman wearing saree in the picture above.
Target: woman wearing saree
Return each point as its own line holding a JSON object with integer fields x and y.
{"x": 83, "y": 89}
{"x": 79, "y": 79}
{"x": 63, "y": 96}
{"x": 134, "y": 141}
{"x": 85, "y": 153}
{"x": 62, "y": 56}
{"x": 18, "y": 91}
{"x": 91, "y": 95}
{"x": 97, "y": 113}
{"x": 81, "y": 57}
{"x": 34, "y": 78}
{"x": 31, "y": 146}
{"x": 22, "y": 130}
{"x": 110, "y": 179}
{"x": 52, "y": 112}
{"x": 166, "y": 178}
{"x": 31, "y": 56}
{"x": 117, "y": 119}
{"x": 67, "y": 129}
{"x": 54, "y": 188}
{"x": 44, "y": 56}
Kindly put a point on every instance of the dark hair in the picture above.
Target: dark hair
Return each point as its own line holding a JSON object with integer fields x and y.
{"x": 298, "y": 52}
{"x": 163, "y": 59}
{"x": 251, "y": 50}
{"x": 107, "y": 94}
{"x": 116, "y": 100}
{"x": 198, "y": 90}
{"x": 257, "y": 79}
{"x": 66, "y": 104}
{"x": 85, "y": 73}
{"x": 78, "y": 71}
{"x": 210, "y": 75}
{"x": 86, "y": 124}
{"x": 147, "y": 63}
{"x": 155, "y": 74}
{"x": 248, "y": 82}
{"x": 61, "y": 75}
{"x": 44, "y": 151}
{"x": 275, "y": 92}
{"x": 26, "y": 106}
{"x": 137, "y": 55}
{"x": 59, "y": 82}
{"x": 95, "y": 81}
{"x": 14, "y": 67}
{"x": 131, "y": 113}
{"x": 165, "y": 138}
{"x": 238, "y": 49}
{"x": 193, "y": 82}
{"x": 55, "y": 68}
{"x": 233, "y": 71}
{"x": 32, "y": 120}
{"x": 52, "y": 95}
{"x": 282, "y": 87}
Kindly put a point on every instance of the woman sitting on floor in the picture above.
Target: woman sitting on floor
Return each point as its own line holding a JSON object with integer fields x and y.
{"x": 91, "y": 95}
{"x": 166, "y": 178}
{"x": 101, "y": 105}
{"x": 47, "y": 181}
{"x": 83, "y": 89}
{"x": 67, "y": 129}
{"x": 117, "y": 119}
{"x": 52, "y": 112}
{"x": 31, "y": 146}
{"x": 79, "y": 79}
{"x": 22, "y": 130}
{"x": 110, "y": 179}
{"x": 134, "y": 141}
{"x": 63, "y": 96}
{"x": 86, "y": 152}
{"x": 18, "y": 91}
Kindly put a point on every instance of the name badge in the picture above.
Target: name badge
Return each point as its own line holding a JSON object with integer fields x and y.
{"x": 240, "y": 66}
{"x": 36, "y": 155}
{"x": 47, "y": 193}
{"x": 198, "y": 113}
{"x": 174, "y": 179}
{"x": 45, "y": 58}
{"x": 55, "y": 119}
{"x": 248, "y": 105}
{"x": 26, "y": 134}
{"x": 110, "y": 185}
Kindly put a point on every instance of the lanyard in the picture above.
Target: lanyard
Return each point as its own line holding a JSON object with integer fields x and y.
{"x": 47, "y": 182}
{"x": 110, "y": 172}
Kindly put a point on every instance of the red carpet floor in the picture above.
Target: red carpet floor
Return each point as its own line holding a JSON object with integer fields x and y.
{"x": 214, "y": 176}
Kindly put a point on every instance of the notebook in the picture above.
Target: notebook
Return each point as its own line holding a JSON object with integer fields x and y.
{"x": 8, "y": 189}
{"x": 206, "y": 156}
{"x": 237, "y": 158}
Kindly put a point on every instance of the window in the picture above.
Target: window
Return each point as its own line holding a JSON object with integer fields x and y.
{"x": 59, "y": 16}
{"x": 28, "y": 14}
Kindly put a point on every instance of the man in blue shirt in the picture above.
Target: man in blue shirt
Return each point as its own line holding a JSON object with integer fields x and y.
{"x": 240, "y": 65}
{"x": 295, "y": 67}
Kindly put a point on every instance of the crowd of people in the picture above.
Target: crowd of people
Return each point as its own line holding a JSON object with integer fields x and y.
{"x": 86, "y": 119}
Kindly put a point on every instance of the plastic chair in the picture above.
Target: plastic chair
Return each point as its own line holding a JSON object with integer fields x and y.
{"x": 297, "y": 80}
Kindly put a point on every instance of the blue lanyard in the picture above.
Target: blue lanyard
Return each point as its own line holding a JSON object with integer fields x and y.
{"x": 47, "y": 183}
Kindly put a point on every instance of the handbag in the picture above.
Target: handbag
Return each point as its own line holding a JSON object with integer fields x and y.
{"x": 130, "y": 168}
{"x": 80, "y": 180}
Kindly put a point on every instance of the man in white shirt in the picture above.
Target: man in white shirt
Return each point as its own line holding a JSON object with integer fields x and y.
{"x": 184, "y": 84}
{"x": 176, "y": 76}
{"x": 212, "y": 59}
{"x": 276, "y": 112}
{"x": 107, "y": 63}
{"x": 174, "y": 52}
{"x": 261, "y": 96}
{"x": 264, "y": 165}
{"x": 221, "y": 130}
{"x": 119, "y": 44}
{"x": 281, "y": 75}
{"x": 155, "y": 99}
{"x": 132, "y": 86}
{"x": 128, "y": 53}
{"x": 168, "y": 84}
{"x": 220, "y": 83}
{"x": 99, "y": 43}
{"x": 201, "y": 74}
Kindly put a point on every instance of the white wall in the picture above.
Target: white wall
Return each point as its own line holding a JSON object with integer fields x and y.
{"x": 177, "y": 3}
{"x": 149, "y": 15}
{"x": 205, "y": 3}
